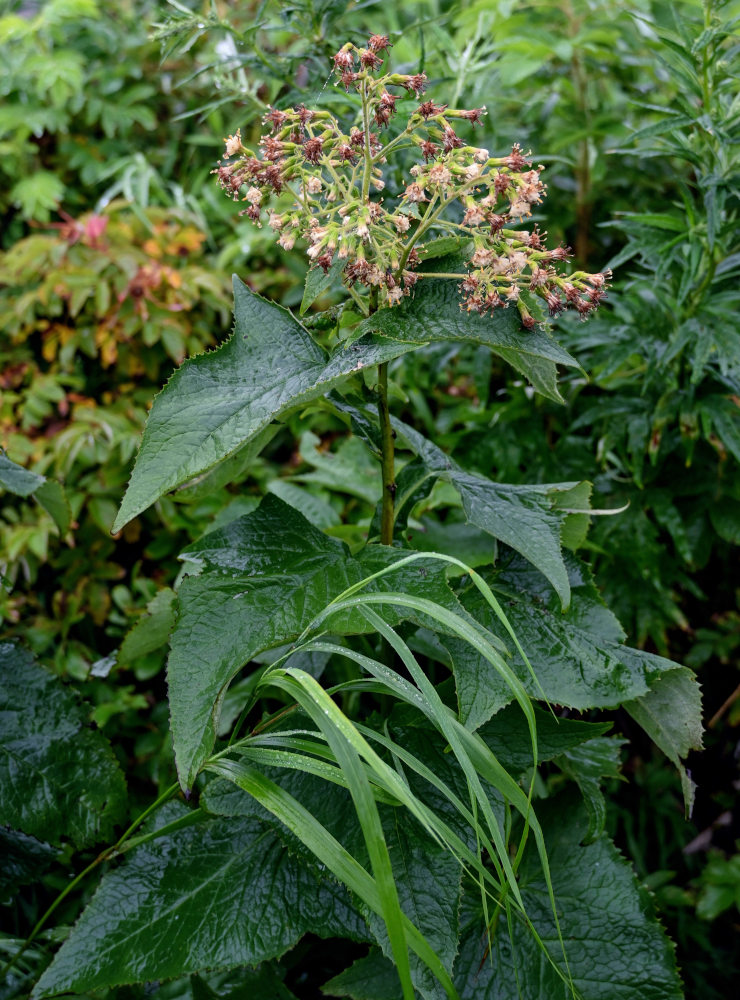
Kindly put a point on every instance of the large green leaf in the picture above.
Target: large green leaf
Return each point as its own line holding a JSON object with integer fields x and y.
{"x": 216, "y": 402}
{"x": 373, "y": 977}
{"x": 670, "y": 713}
{"x": 530, "y": 519}
{"x": 536, "y": 520}
{"x": 24, "y": 859}
{"x": 578, "y": 656}
{"x": 427, "y": 875}
{"x": 58, "y": 778}
{"x": 616, "y": 949}
{"x": 216, "y": 894}
{"x": 434, "y": 314}
{"x": 265, "y": 577}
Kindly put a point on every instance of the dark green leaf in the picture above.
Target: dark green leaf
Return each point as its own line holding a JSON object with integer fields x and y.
{"x": 427, "y": 875}
{"x": 217, "y": 894}
{"x": 587, "y": 764}
{"x": 577, "y": 655}
{"x": 49, "y": 493}
{"x": 614, "y": 945}
{"x": 217, "y": 402}
{"x": 434, "y": 315}
{"x": 18, "y": 480}
{"x": 266, "y": 576}
{"x": 530, "y": 519}
{"x": 23, "y": 860}
{"x": 670, "y": 713}
{"x": 58, "y": 777}
{"x": 371, "y": 978}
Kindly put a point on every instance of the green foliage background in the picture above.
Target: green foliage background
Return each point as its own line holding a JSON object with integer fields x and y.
{"x": 116, "y": 253}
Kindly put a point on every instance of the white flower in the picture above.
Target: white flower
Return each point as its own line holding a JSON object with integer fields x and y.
{"x": 234, "y": 143}
{"x": 287, "y": 241}
{"x": 519, "y": 207}
{"x": 481, "y": 155}
{"x": 313, "y": 185}
{"x": 401, "y": 222}
{"x": 517, "y": 261}
{"x": 415, "y": 192}
{"x": 482, "y": 257}
{"x": 440, "y": 175}
{"x": 254, "y": 196}
{"x": 276, "y": 221}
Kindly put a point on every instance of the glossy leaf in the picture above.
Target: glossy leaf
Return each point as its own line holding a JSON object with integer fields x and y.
{"x": 536, "y": 520}
{"x": 201, "y": 897}
{"x": 427, "y": 875}
{"x": 49, "y": 493}
{"x": 265, "y": 576}
{"x": 58, "y": 777}
{"x": 578, "y": 656}
{"x": 434, "y": 314}
{"x": 215, "y": 403}
{"x": 615, "y": 946}
{"x": 670, "y": 713}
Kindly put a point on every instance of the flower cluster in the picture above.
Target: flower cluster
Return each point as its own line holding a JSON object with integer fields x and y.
{"x": 314, "y": 181}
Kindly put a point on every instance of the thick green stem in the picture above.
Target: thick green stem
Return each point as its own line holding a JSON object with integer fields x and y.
{"x": 387, "y": 458}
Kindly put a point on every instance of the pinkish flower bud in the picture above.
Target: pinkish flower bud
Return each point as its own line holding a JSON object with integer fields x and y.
{"x": 450, "y": 140}
{"x": 312, "y": 150}
{"x": 370, "y": 60}
{"x": 428, "y": 109}
{"x": 515, "y": 161}
{"x": 379, "y": 43}
{"x": 344, "y": 59}
{"x": 474, "y": 116}
{"x": 416, "y": 83}
{"x": 415, "y": 192}
{"x": 276, "y": 118}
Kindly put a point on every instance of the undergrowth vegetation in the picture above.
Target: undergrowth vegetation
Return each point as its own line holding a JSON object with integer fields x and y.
{"x": 377, "y": 672}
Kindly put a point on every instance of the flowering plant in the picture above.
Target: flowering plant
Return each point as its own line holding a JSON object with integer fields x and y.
{"x": 404, "y": 677}
{"x": 457, "y": 188}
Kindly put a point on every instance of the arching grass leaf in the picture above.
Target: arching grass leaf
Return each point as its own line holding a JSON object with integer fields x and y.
{"x": 264, "y": 578}
{"x": 616, "y": 948}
